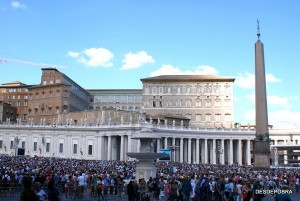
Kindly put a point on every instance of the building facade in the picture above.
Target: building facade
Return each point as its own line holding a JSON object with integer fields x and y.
{"x": 118, "y": 99}
{"x": 206, "y": 100}
{"x": 56, "y": 94}
{"x": 16, "y": 95}
{"x": 112, "y": 142}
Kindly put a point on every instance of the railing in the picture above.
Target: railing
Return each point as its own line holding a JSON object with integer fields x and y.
{"x": 118, "y": 125}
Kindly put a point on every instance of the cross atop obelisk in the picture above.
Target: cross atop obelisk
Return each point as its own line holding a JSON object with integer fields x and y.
{"x": 261, "y": 143}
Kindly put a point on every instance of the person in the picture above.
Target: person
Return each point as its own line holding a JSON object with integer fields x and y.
{"x": 256, "y": 196}
{"x": 283, "y": 196}
{"x": 40, "y": 192}
{"x": 28, "y": 193}
{"x": 53, "y": 194}
{"x": 130, "y": 191}
{"x": 186, "y": 189}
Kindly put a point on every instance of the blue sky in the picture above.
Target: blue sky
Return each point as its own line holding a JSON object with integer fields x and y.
{"x": 114, "y": 43}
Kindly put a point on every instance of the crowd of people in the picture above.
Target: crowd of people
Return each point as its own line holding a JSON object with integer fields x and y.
{"x": 174, "y": 181}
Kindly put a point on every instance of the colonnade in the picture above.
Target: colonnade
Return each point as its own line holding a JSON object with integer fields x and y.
{"x": 207, "y": 150}
{"x": 189, "y": 150}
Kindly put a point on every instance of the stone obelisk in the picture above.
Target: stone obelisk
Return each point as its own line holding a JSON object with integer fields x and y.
{"x": 261, "y": 149}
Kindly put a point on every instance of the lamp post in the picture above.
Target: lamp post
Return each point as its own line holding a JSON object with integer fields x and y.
{"x": 218, "y": 151}
{"x": 173, "y": 149}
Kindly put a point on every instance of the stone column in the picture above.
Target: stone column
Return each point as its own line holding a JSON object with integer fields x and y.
{"x": 173, "y": 149}
{"x": 230, "y": 157}
{"x": 222, "y": 154}
{"x": 197, "y": 151}
{"x": 129, "y": 144}
{"x": 109, "y": 147}
{"x": 239, "y": 152}
{"x": 122, "y": 148}
{"x": 214, "y": 151}
{"x": 181, "y": 150}
{"x": 158, "y": 145}
{"x": 166, "y": 143}
{"x": 275, "y": 157}
{"x": 189, "y": 150}
{"x": 248, "y": 153}
{"x": 205, "y": 151}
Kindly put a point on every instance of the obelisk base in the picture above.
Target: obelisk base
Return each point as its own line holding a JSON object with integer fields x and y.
{"x": 261, "y": 155}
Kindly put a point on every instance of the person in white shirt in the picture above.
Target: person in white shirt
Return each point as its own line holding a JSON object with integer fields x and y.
{"x": 40, "y": 192}
{"x": 81, "y": 184}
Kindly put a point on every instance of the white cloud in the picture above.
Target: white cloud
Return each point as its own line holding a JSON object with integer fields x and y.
{"x": 272, "y": 100}
{"x": 136, "y": 60}
{"x": 249, "y": 116}
{"x": 284, "y": 119}
{"x": 279, "y": 119}
{"x": 171, "y": 70}
{"x": 93, "y": 57}
{"x": 73, "y": 54}
{"x": 272, "y": 79}
{"x": 276, "y": 100}
{"x": 17, "y": 4}
{"x": 246, "y": 80}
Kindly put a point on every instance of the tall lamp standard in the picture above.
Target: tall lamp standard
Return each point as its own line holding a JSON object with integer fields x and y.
{"x": 173, "y": 149}
{"x": 218, "y": 151}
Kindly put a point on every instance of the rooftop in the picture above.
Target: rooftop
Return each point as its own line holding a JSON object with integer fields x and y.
{"x": 199, "y": 78}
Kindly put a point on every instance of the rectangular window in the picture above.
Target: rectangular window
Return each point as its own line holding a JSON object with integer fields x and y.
{"x": 154, "y": 90}
{"x": 178, "y": 90}
{"x": 44, "y": 82}
{"x": 207, "y": 103}
{"x": 35, "y": 146}
{"x": 11, "y": 144}
{"x": 207, "y": 117}
{"x": 218, "y": 117}
{"x": 50, "y": 94}
{"x": 90, "y": 150}
{"x": 74, "y": 148}
{"x": 25, "y": 103}
{"x": 51, "y": 81}
{"x": 26, "y": 97}
{"x": 161, "y": 90}
{"x": 169, "y": 90}
{"x": 188, "y": 90}
{"x": 198, "y": 117}
{"x": 13, "y": 97}
{"x": 1, "y": 144}
{"x": 23, "y": 144}
{"x": 43, "y": 95}
{"x": 19, "y": 96}
{"x": 61, "y": 147}
{"x": 47, "y": 147}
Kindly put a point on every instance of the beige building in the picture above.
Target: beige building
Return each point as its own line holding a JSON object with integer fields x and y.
{"x": 206, "y": 100}
{"x": 118, "y": 99}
